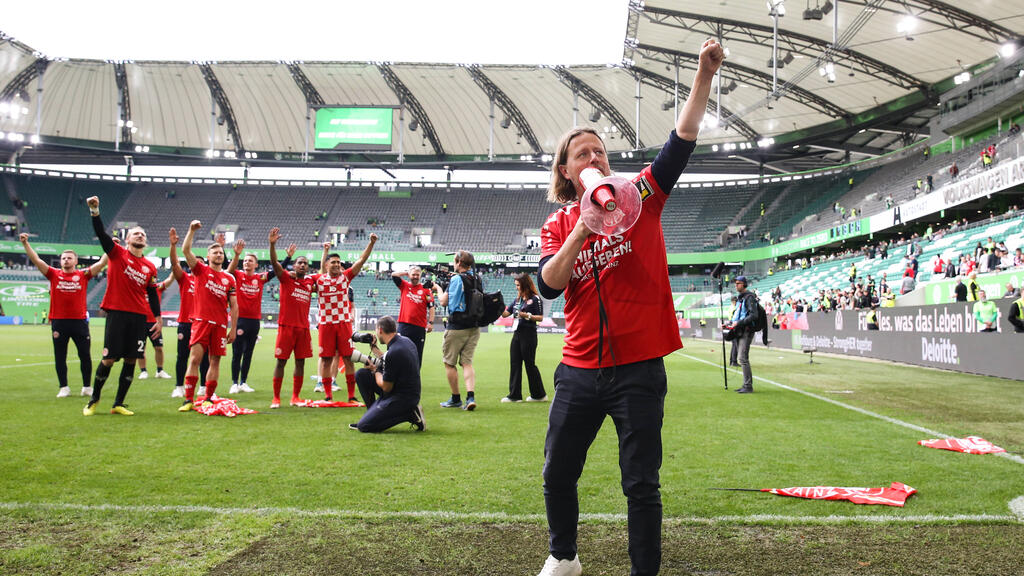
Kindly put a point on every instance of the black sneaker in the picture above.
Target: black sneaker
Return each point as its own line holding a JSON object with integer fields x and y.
{"x": 419, "y": 421}
{"x": 353, "y": 426}
{"x": 745, "y": 390}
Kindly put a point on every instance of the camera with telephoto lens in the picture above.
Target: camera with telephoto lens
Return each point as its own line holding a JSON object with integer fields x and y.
{"x": 364, "y": 338}
{"x": 442, "y": 276}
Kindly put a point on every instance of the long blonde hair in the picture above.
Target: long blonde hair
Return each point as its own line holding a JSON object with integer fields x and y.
{"x": 562, "y": 190}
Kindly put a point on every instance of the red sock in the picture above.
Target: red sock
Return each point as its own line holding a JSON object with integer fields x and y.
{"x": 211, "y": 386}
{"x": 277, "y": 389}
{"x": 350, "y": 380}
{"x": 296, "y": 387}
{"x": 328, "y": 384}
{"x": 190, "y": 387}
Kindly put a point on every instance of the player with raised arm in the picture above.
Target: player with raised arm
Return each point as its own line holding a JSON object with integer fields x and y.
{"x": 334, "y": 325}
{"x": 213, "y": 308}
{"x": 131, "y": 291}
{"x": 186, "y": 293}
{"x": 250, "y": 301}
{"x": 68, "y": 287}
{"x": 293, "y": 321}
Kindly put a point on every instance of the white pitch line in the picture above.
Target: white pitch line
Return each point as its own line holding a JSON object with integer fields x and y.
{"x": 1017, "y": 507}
{"x": 33, "y": 364}
{"x": 889, "y": 419}
{"x": 532, "y": 518}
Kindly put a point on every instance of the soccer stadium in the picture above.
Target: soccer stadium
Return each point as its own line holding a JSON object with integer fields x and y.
{"x": 770, "y": 253}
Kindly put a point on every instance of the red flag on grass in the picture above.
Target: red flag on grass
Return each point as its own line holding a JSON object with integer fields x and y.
{"x": 332, "y": 404}
{"x": 968, "y": 445}
{"x": 222, "y": 407}
{"x": 895, "y": 495}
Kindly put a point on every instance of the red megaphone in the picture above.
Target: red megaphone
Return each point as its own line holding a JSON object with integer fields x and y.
{"x": 610, "y": 205}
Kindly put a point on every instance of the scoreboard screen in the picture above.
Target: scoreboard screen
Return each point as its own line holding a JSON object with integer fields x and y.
{"x": 353, "y": 128}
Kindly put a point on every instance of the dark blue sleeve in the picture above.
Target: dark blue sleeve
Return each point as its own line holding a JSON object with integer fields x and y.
{"x": 668, "y": 165}
{"x": 545, "y": 290}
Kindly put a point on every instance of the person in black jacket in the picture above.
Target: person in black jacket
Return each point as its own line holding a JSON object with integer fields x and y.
{"x": 743, "y": 320}
{"x": 528, "y": 310}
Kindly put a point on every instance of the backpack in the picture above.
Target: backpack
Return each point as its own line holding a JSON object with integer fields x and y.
{"x": 481, "y": 309}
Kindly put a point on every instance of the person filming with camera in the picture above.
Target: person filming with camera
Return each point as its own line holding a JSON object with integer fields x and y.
{"x": 742, "y": 331}
{"x": 461, "y": 334}
{"x": 390, "y": 385}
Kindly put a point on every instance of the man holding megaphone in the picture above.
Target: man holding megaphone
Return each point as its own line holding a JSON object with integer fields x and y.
{"x": 605, "y": 249}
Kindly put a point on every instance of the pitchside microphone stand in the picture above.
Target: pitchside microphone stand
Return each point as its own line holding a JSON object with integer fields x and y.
{"x": 716, "y": 273}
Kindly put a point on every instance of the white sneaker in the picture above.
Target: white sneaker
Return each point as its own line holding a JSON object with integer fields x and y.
{"x": 178, "y": 392}
{"x": 143, "y": 375}
{"x": 163, "y": 375}
{"x": 314, "y": 377}
{"x": 319, "y": 388}
{"x": 507, "y": 400}
{"x": 335, "y": 387}
{"x": 245, "y": 387}
{"x": 556, "y": 567}
{"x": 86, "y": 391}
{"x": 234, "y": 389}
{"x": 532, "y": 399}
{"x": 202, "y": 390}
{"x": 64, "y": 392}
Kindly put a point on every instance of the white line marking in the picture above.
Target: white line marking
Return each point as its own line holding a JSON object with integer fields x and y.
{"x": 34, "y": 364}
{"x": 532, "y": 518}
{"x": 896, "y": 421}
{"x": 1017, "y": 507}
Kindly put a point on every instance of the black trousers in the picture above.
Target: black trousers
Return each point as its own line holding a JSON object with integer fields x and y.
{"x": 383, "y": 412}
{"x": 523, "y": 351}
{"x": 181, "y": 362}
{"x": 635, "y": 399}
{"x": 417, "y": 334}
{"x": 242, "y": 349}
{"x": 77, "y": 331}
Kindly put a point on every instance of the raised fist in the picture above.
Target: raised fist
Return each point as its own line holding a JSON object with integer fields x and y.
{"x": 195, "y": 225}
{"x": 23, "y": 238}
{"x": 93, "y": 202}
{"x": 374, "y": 237}
{"x": 172, "y": 235}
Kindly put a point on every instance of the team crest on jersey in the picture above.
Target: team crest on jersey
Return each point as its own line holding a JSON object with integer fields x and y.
{"x": 145, "y": 270}
{"x": 255, "y": 282}
{"x": 224, "y": 281}
{"x": 645, "y": 188}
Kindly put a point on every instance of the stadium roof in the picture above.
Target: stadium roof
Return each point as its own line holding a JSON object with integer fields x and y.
{"x": 890, "y": 61}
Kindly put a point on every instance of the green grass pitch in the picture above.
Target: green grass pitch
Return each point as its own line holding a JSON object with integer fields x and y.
{"x": 169, "y": 493}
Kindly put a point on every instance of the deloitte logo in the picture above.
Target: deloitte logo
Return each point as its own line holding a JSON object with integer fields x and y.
{"x": 839, "y": 321}
{"x": 24, "y": 291}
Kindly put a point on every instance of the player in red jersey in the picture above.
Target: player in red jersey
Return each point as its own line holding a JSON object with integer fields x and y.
{"x": 156, "y": 339}
{"x": 293, "y": 321}
{"x": 186, "y": 293}
{"x": 250, "y": 300}
{"x": 68, "y": 315}
{"x": 131, "y": 291}
{"x": 416, "y": 308}
{"x": 213, "y": 308}
{"x": 334, "y": 325}
{"x": 620, "y": 323}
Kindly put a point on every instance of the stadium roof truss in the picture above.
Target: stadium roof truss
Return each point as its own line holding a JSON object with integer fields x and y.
{"x": 882, "y": 96}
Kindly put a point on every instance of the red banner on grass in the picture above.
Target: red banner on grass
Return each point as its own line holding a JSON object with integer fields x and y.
{"x": 968, "y": 445}
{"x": 895, "y": 495}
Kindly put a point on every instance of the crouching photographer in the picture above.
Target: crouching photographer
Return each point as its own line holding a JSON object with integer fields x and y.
{"x": 390, "y": 386}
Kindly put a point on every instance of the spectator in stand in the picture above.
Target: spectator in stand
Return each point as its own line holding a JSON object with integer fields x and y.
{"x": 1011, "y": 291}
{"x": 986, "y": 313}
{"x": 950, "y": 268}
{"x": 954, "y": 172}
{"x": 908, "y": 282}
{"x": 1018, "y": 258}
{"x": 928, "y": 184}
{"x": 1014, "y": 128}
{"x": 960, "y": 291}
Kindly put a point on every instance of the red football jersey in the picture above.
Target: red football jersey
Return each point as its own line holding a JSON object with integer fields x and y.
{"x": 332, "y": 293}
{"x": 295, "y": 295}
{"x": 212, "y": 291}
{"x": 415, "y": 301}
{"x": 187, "y": 294}
{"x": 635, "y": 287}
{"x": 250, "y": 294}
{"x": 67, "y": 293}
{"x": 128, "y": 276}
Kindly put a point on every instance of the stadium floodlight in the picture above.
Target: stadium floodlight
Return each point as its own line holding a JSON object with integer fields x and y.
{"x": 34, "y": 139}
{"x": 595, "y": 115}
{"x": 506, "y": 122}
{"x": 1007, "y": 50}
{"x": 414, "y": 125}
{"x": 776, "y": 7}
{"x": 668, "y": 105}
{"x": 906, "y": 25}
{"x": 827, "y": 7}
{"x": 714, "y": 147}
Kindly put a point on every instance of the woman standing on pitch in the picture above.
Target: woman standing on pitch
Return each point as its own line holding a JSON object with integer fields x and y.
{"x": 528, "y": 310}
